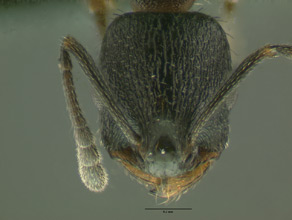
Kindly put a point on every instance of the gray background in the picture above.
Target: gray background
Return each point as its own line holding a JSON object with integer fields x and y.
{"x": 38, "y": 168}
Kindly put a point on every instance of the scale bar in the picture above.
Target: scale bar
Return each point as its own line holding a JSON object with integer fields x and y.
{"x": 174, "y": 209}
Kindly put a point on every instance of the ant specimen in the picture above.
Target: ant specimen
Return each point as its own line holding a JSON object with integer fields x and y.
{"x": 165, "y": 89}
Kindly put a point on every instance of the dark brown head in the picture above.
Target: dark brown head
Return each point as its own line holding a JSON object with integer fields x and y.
{"x": 163, "y": 70}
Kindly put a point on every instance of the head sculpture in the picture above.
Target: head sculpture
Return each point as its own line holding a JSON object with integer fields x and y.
{"x": 164, "y": 89}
